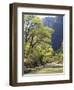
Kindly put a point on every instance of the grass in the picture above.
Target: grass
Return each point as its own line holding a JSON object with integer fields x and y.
{"x": 45, "y": 70}
{"x": 50, "y": 70}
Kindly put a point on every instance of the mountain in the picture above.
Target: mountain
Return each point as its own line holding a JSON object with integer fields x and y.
{"x": 57, "y": 24}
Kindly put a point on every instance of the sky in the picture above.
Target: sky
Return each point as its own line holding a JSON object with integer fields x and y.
{"x": 43, "y": 16}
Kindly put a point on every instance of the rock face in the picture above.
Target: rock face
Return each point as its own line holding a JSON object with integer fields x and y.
{"x": 57, "y": 24}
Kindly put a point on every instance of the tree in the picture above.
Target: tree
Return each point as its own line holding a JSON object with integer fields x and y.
{"x": 37, "y": 40}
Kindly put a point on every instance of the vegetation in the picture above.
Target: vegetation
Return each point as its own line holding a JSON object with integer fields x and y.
{"x": 38, "y": 51}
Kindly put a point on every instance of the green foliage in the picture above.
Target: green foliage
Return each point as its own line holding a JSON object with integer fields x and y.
{"x": 37, "y": 43}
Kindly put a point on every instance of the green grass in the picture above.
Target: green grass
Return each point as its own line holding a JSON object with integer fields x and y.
{"x": 50, "y": 70}
{"x": 45, "y": 70}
